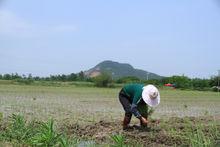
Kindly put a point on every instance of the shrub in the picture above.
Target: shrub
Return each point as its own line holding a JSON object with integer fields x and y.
{"x": 129, "y": 79}
{"x": 214, "y": 81}
{"x": 103, "y": 80}
{"x": 25, "y": 81}
{"x": 181, "y": 82}
{"x": 154, "y": 82}
{"x": 200, "y": 84}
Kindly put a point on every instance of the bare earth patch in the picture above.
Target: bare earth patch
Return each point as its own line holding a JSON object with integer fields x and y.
{"x": 157, "y": 133}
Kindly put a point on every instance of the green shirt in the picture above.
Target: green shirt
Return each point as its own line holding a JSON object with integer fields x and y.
{"x": 134, "y": 91}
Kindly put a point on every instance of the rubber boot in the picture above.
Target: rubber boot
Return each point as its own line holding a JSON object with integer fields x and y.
{"x": 126, "y": 121}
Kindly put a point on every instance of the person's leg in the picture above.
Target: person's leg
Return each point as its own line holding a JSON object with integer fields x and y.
{"x": 124, "y": 100}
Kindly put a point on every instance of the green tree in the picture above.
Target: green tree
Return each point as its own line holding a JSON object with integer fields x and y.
{"x": 37, "y": 78}
{"x": 63, "y": 78}
{"x": 129, "y": 79}
{"x": 103, "y": 80}
{"x": 30, "y": 76}
{"x": 7, "y": 77}
{"x": 154, "y": 82}
{"x": 16, "y": 76}
{"x": 72, "y": 77}
{"x": 200, "y": 84}
{"x": 53, "y": 78}
{"x": 182, "y": 82}
{"x": 214, "y": 81}
{"x": 81, "y": 76}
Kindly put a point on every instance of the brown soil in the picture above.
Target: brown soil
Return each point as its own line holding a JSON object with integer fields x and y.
{"x": 156, "y": 134}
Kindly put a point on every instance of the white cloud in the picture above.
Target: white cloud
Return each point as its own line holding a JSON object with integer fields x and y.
{"x": 15, "y": 26}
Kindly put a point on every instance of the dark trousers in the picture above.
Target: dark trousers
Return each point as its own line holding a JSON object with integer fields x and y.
{"x": 126, "y": 102}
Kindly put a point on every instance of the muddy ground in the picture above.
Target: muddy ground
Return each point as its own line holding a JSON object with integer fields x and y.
{"x": 168, "y": 132}
{"x": 158, "y": 132}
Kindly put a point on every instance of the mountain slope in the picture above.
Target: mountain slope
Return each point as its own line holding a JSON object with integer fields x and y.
{"x": 118, "y": 70}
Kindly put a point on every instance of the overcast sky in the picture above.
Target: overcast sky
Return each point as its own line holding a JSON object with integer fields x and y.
{"x": 167, "y": 37}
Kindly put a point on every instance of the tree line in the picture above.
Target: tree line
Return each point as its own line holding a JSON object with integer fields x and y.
{"x": 179, "y": 82}
{"x": 60, "y": 77}
{"x": 105, "y": 80}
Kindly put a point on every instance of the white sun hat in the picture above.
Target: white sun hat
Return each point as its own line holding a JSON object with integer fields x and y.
{"x": 151, "y": 95}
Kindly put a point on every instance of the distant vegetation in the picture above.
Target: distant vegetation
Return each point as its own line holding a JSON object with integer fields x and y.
{"x": 106, "y": 80}
{"x": 63, "y": 78}
{"x": 103, "y": 80}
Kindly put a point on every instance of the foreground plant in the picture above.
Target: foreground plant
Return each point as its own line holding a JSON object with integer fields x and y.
{"x": 199, "y": 135}
{"x": 1, "y": 116}
{"x": 46, "y": 135}
{"x": 17, "y": 130}
{"x": 199, "y": 138}
{"x": 65, "y": 142}
{"x": 119, "y": 140}
{"x": 34, "y": 133}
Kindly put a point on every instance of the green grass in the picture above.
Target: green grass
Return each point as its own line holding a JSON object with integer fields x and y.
{"x": 68, "y": 104}
{"x": 71, "y": 103}
{"x": 118, "y": 140}
{"x": 89, "y": 104}
{"x": 17, "y": 131}
{"x": 35, "y": 133}
{"x": 198, "y": 134}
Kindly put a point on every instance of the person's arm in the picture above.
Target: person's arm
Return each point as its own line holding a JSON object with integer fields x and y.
{"x": 135, "y": 111}
{"x": 137, "y": 114}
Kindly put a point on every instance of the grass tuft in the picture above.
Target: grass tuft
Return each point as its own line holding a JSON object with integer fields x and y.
{"x": 119, "y": 140}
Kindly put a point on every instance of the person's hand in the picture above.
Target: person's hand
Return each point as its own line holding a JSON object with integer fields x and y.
{"x": 144, "y": 121}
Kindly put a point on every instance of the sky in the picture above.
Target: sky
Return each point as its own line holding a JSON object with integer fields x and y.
{"x": 171, "y": 37}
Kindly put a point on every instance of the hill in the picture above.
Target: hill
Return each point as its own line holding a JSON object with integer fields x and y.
{"x": 118, "y": 70}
